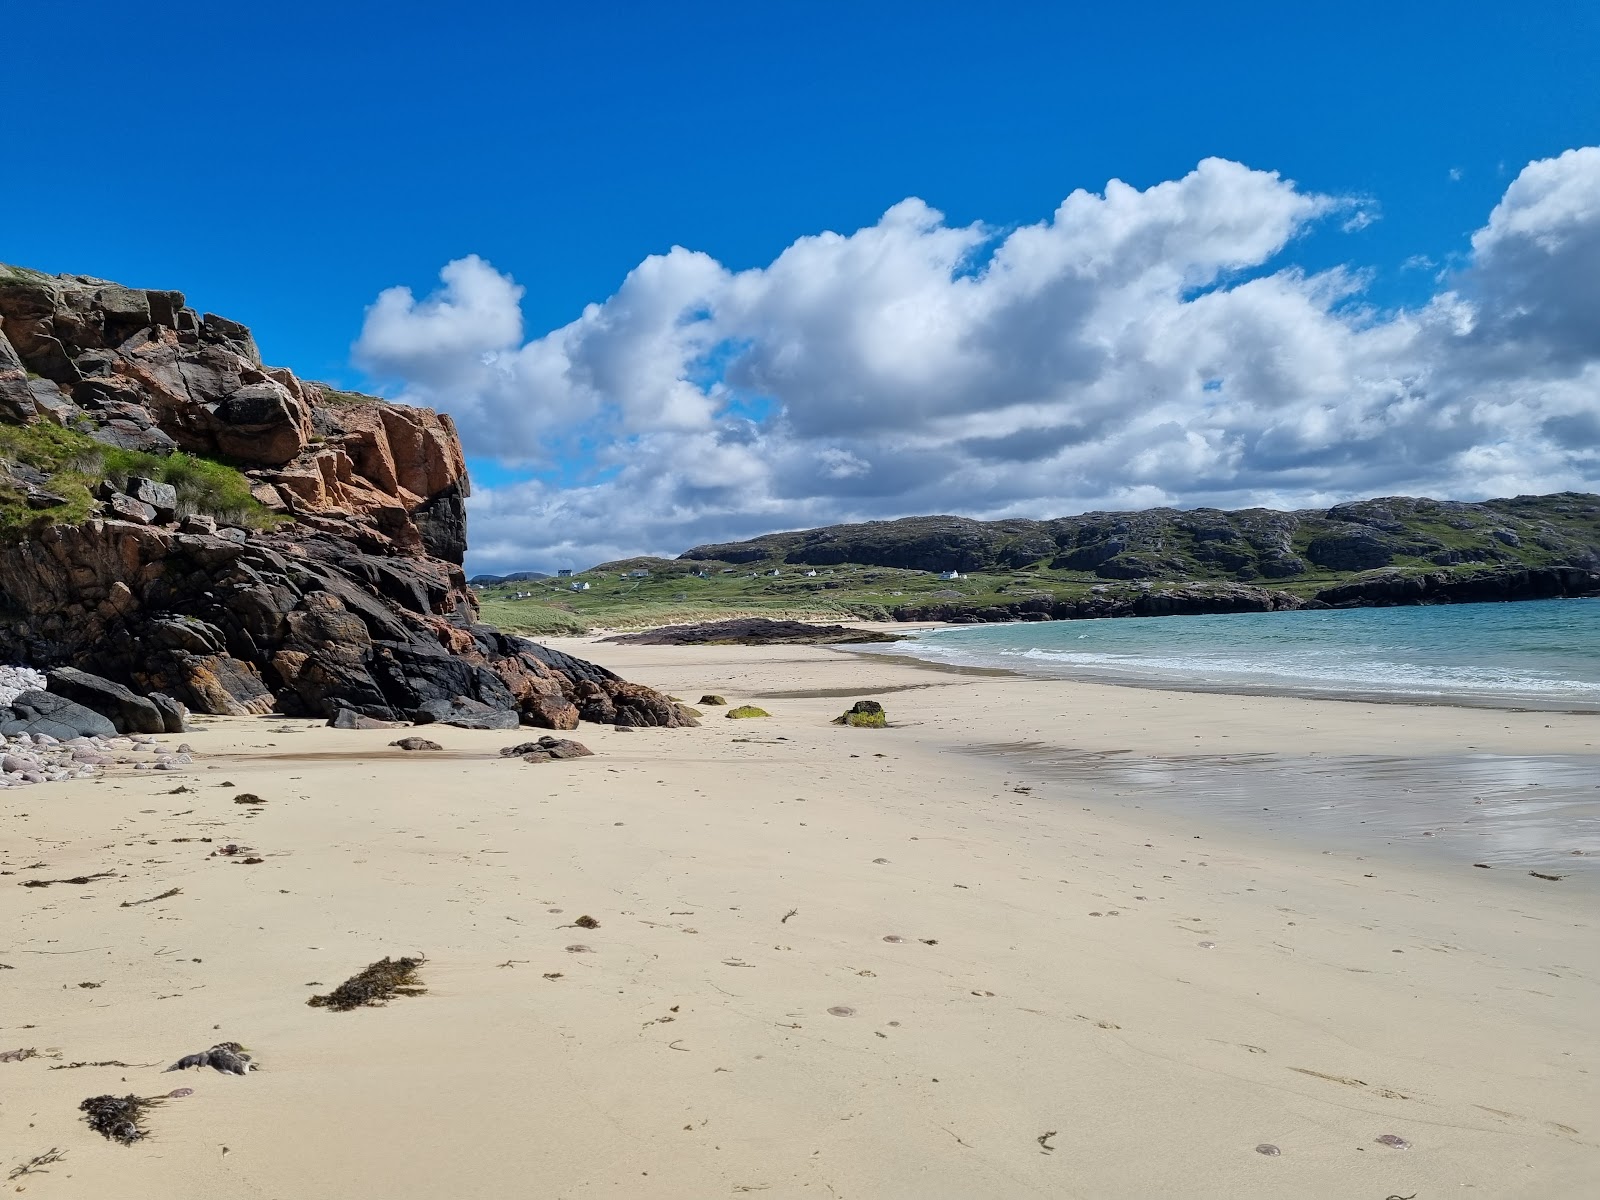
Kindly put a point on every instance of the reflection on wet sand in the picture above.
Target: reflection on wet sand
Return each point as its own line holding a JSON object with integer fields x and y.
{"x": 1534, "y": 812}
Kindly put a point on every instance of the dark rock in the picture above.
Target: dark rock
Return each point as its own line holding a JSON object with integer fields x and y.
{"x": 1349, "y": 552}
{"x": 1390, "y": 588}
{"x": 712, "y": 700}
{"x": 752, "y": 631}
{"x": 642, "y": 707}
{"x": 465, "y": 713}
{"x": 126, "y": 508}
{"x": 128, "y": 712}
{"x": 48, "y": 713}
{"x": 348, "y": 718}
{"x": 262, "y": 422}
{"x": 864, "y": 714}
{"x": 442, "y": 521}
{"x": 416, "y": 743}
{"x": 237, "y": 336}
{"x": 174, "y": 716}
{"x": 547, "y": 749}
{"x": 162, "y": 497}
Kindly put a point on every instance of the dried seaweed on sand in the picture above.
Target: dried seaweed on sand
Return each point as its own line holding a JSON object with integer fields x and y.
{"x": 119, "y": 1118}
{"x": 382, "y": 981}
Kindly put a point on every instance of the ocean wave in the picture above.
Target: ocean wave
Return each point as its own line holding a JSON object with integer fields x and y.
{"x": 1536, "y": 651}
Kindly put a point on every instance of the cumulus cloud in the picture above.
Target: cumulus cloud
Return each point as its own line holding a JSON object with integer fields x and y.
{"x": 1136, "y": 347}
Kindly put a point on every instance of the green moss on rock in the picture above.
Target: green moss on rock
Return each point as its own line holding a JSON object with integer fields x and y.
{"x": 747, "y": 710}
{"x": 864, "y": 714}
{"x": 75, "y": 464}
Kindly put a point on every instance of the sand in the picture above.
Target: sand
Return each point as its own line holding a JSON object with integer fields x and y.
{"x": 1159, "y": 993}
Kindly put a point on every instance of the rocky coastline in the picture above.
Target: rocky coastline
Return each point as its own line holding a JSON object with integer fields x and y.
{"x": 1378, "y": 590}
{"x": 330, "y": 586}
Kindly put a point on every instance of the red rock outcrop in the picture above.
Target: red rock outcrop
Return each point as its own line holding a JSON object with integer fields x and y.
{"x": 357, "y": 601}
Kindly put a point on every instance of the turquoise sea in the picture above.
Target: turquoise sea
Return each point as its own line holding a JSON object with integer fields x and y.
{"x": 1541, "y": 653}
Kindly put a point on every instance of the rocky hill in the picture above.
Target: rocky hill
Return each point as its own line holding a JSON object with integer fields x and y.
{"x": 180, "y": 518}
{"x": 1394, "y": 550}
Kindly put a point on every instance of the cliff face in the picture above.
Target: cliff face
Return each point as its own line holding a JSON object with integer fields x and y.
{"x": 331, "y": 577}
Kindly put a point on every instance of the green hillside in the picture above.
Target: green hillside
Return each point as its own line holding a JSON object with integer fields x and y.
{"x": 1393, "y": 550}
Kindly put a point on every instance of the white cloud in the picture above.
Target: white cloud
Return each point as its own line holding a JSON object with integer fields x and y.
{"x": 1136, "y": 347}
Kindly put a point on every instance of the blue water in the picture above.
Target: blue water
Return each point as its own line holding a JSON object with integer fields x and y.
{"x": 1541, "y": 653}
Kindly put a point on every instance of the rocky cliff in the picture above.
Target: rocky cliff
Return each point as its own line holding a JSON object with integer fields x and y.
{"x": 179, "y": 517}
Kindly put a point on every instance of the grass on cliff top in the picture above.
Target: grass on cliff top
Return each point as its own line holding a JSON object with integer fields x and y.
{"x": 333, "y": 397}
{"x": 75, "y": 463}
{"x": 12, "y": 274}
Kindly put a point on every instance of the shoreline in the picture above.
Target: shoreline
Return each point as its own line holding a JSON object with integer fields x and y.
{"x": 1288, "y": 686}
{"x": 1200, "y": 688}
{"x": 827, "y": 962}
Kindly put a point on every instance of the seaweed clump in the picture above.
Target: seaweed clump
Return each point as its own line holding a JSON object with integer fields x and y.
{"x": 118, "y": 1118}
{"x": 864, "y": 714}
{"x": 375, "y": 984}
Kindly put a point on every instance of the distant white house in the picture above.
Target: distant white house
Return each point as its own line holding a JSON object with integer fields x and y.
{"x": 951, "y": 575}
{"x": 578, "y": 585}
{"x": 564, "y": 573}
{"x": 774, "y": 573}
{"x": 811, "y": 574}
{"x": 639, "y": 573}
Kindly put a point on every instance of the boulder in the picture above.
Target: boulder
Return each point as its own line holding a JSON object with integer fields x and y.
{"x": 746, "y": 711}
{"x": 126, "y": 508}
{"x": 130, "y": 713}
{"x": 712, "y": 701}
{"x": 162, "y": 497}
{"x": 53, "y": 715}
{"x": 348, "y": 718}
{"x": 174, "y": 716}
{"x": 550, "y": 712}
{"x": 546, "y": 749}
{"x": 864, "y": 714}
{"x": 416, "y": 743}
{"x": 465, "y": 713}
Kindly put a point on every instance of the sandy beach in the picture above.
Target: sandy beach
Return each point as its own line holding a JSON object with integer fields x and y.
{"x": 910, "y": 962}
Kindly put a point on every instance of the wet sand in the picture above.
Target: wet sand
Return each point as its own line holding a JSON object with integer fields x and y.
{"x": 829, "y": 962}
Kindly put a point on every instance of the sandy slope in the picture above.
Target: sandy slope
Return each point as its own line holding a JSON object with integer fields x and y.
{"x": 1054, "y": 973}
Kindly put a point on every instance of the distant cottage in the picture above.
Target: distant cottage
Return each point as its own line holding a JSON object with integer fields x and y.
{"x": 564, "y": 573}
{"x": 951, "y": 575}
{"x": 580, "y": 585}
{"x": 640, "y": 573}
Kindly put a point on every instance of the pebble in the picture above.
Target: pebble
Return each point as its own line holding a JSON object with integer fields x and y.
{"x": 27, "y": 759}
{"x": 16, "y": 680}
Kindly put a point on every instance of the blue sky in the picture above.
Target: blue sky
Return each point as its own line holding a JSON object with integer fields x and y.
{"x": 286, "y": 165}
